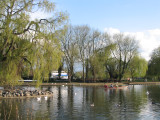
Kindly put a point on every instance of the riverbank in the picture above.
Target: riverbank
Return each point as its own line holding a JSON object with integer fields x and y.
{"x": 70, "y": 84}
{"x": 143, "y": 83}
{"x": 90, "y": 84}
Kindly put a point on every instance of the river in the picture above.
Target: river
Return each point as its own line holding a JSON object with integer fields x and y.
{"x": 138, "y": 102}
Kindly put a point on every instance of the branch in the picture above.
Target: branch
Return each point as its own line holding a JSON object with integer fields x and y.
{"x": 22, "y": 8}
{"x": 46, "y": 20}
{"x": 2, "y": 15}
{"x": 34, "y": 23}
{"x": 27, "y": 29}
{"x": 26, "y": 60}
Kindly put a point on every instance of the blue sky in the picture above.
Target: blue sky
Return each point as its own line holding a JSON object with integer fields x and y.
{"x": 125, "y": 15}
{"x": 137, "y": 18}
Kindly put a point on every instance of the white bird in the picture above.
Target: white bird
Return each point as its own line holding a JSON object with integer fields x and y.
{"x": 92, "y": 105}
{"x": 38, "y": 98}
{"x": 45, "y": 97}
{"x": 75, "y": 93}
{"x": 147, "y": 93}
{"x": 62, "y": 85}
{"x": 117, "y": 105}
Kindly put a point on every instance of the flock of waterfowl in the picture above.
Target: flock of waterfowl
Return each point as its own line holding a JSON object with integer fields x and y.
{"x": 24, "y": 93}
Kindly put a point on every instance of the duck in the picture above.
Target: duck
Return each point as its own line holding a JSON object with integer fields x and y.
{"x": 38, "y": 98}
{"x": 92, "y": 105}
{"x": 45, "y": 97}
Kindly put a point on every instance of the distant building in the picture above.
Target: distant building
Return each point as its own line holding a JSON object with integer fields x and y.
{"x": 54, "y": 75}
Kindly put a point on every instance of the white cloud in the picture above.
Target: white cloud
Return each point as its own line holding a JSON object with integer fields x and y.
{"x": 39, "y": 15}
{"x": 148, "y": 40}
{"x": 111, "y": 30}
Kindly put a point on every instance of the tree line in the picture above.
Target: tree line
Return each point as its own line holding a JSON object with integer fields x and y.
{"x": 37, "y": 47}
{"x": 102, "y": 55}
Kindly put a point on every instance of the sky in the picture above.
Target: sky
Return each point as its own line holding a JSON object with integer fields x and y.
{"x": 138, "y": 18}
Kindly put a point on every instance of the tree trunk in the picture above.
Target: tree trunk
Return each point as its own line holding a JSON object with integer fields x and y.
{"x": 83, "y": 73}
{"x": 69, "y": 76}
{"x": 86, "y": 69}
{"x": 120, "y": 71}
{"x": 59, "y": 72}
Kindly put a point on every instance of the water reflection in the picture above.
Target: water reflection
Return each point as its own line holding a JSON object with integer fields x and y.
{"x": 81, "y": 102}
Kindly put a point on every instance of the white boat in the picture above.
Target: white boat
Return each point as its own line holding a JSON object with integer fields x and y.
{"x": 27, "y": 80}
{"x": 54, "y": 75}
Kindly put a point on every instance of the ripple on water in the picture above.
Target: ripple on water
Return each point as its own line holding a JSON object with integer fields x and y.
{"x": 108, "y": 104}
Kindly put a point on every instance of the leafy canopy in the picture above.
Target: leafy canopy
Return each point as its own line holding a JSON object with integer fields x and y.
{"x": 154, "y": 63}
{"x": 28, "y": 45}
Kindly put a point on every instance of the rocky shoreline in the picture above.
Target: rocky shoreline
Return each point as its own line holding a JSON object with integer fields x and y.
{"x": 23, "y": 93}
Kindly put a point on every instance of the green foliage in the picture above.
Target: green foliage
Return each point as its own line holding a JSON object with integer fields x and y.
{"x": 111, "y": 63}
{"x": 126, "y": 49}
{"x": 96, "y": 66}
{"x": 137, "y": 67}
{"x": 154, "y": 63}
{"x": 98, "y": 61}
{"x": 28, "y": 47}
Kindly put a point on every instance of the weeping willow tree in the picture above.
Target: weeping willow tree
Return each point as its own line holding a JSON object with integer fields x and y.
{"x": 28, "y": 45}
{"x": 137, "y": 67}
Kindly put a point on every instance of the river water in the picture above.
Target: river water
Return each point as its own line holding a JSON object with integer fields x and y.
{"x": 86, "y": 103}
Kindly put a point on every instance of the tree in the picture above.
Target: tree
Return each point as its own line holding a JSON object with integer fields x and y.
{"x": 60, "y": 70}
{"x": 137, "y": 67}
{"x": 70, "y": 51}
{"x": 110, "y": 62}
{"x": 97, "y": 67}
{"x": 82, "y": 36}
{"x": 26, "y": 42}
{"x": 92, "y": 45}
{"x": 126, "y": 49}
{"x": 154, "y": 63}
{"x": 112, "y": 68}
